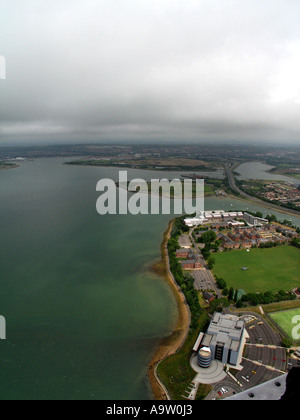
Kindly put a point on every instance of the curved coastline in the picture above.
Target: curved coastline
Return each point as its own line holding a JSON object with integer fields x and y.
{"x": 169, "y": 345}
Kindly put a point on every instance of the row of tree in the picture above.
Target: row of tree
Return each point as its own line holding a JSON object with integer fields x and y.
{"x": 295, "y": 242}
{"x": 267, "y": 297}
{"x": 179, "y": 226}
{"x": 184, "y": 280}
{"x": 252, "y": 299}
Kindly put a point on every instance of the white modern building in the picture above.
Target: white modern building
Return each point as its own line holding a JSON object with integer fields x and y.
{"x": 255, "y": 221}
{"x": 226, "y": 338}
{"x": 206, "y": 217}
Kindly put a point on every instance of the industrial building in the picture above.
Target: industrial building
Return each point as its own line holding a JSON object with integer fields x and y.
{"x": 255, "y": 221}
{"x": 216, "y": 216}
{"x": 220, "y": 216}
{"x": 225, "y": 337}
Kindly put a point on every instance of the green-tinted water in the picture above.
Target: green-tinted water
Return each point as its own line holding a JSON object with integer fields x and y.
{"x": 83, "y": 313}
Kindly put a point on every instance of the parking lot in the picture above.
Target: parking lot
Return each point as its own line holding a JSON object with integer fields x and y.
{"x": 261, "y": 332}
{"x": 185, "y": 241}
{"x": 275, "y": 358}
{"x": 263, "y": 360}
{"x": 203, "y": 280}
{"x": 253, "y": 375}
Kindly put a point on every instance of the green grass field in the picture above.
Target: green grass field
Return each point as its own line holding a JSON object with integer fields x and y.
{"x": 284, "y": 320}
{"x": 268, "y": 269}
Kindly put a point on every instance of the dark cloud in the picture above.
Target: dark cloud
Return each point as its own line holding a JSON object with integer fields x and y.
{"x": 165, "y": 69}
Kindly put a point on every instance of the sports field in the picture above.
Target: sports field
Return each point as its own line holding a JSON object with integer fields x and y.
{"x": 264, "y": 269}
{"x": 285, "y": 320}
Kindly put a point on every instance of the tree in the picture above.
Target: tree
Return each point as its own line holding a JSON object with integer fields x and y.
{"x": 231, "y": 294}
{"x": 208, "y": 237}
{"x": 236, "y": 295}
{"x": 173, "y": 245}
{"x": 205, "y": 253}
{"x": 271, "y": 218}
{"x": 221, "y": 283}
{"x": 239, "y": 304}
{"x": 218, "y": 305}
{"x": 268, "y": 297}
{"x": 252, "y": 298}
{"x": 286, "y": 342}
{"x": 295, "y": 242}
{"x": 211, "y": 262}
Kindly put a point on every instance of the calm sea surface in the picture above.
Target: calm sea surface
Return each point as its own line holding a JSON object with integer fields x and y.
{"x": 259, "y": 170}
{"x": 83, "y": 313}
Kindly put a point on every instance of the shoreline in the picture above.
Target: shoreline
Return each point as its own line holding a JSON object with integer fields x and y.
{"x": 91, "y": 162}
{"x": 266, "y": 205}
{"x": 7, "y": 167}
{"x": 169, "y": 345}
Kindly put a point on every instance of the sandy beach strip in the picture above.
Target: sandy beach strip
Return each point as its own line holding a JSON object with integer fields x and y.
{"x": 169, "y": 345}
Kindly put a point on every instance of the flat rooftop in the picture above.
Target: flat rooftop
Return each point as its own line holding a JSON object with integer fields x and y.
{"x": 225, "y": 330}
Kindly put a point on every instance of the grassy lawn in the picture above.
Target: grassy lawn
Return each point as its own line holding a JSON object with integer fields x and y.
{"x": 208, "y": 190}
{"x": 268, "y": 269}
{"x": 284, "y": 320}
{"x": 175, "y": 372}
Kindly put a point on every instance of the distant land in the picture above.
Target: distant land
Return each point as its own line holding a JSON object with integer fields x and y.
{"x": 218, "y": 163}
{"x": 5, "y": 165}
{"x": 208, "y": 155}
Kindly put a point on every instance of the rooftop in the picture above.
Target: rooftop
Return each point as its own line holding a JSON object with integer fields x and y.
{"x": 272, "y": 390}
{"x": 226, "y": 329}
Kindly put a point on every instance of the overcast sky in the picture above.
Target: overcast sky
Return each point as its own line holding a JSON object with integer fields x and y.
{"x": 191, "y": 70}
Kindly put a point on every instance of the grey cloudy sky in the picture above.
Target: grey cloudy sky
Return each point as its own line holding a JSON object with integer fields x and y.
{"x": 190, "y": 70}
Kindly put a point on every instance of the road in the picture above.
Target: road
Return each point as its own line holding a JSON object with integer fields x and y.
{"x": 231, "y": 179}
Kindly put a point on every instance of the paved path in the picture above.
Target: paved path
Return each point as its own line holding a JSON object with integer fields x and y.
{"x": 215, "y": 373}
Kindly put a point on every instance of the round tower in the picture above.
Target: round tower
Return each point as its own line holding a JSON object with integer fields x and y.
{"x": 204, "y": 357}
